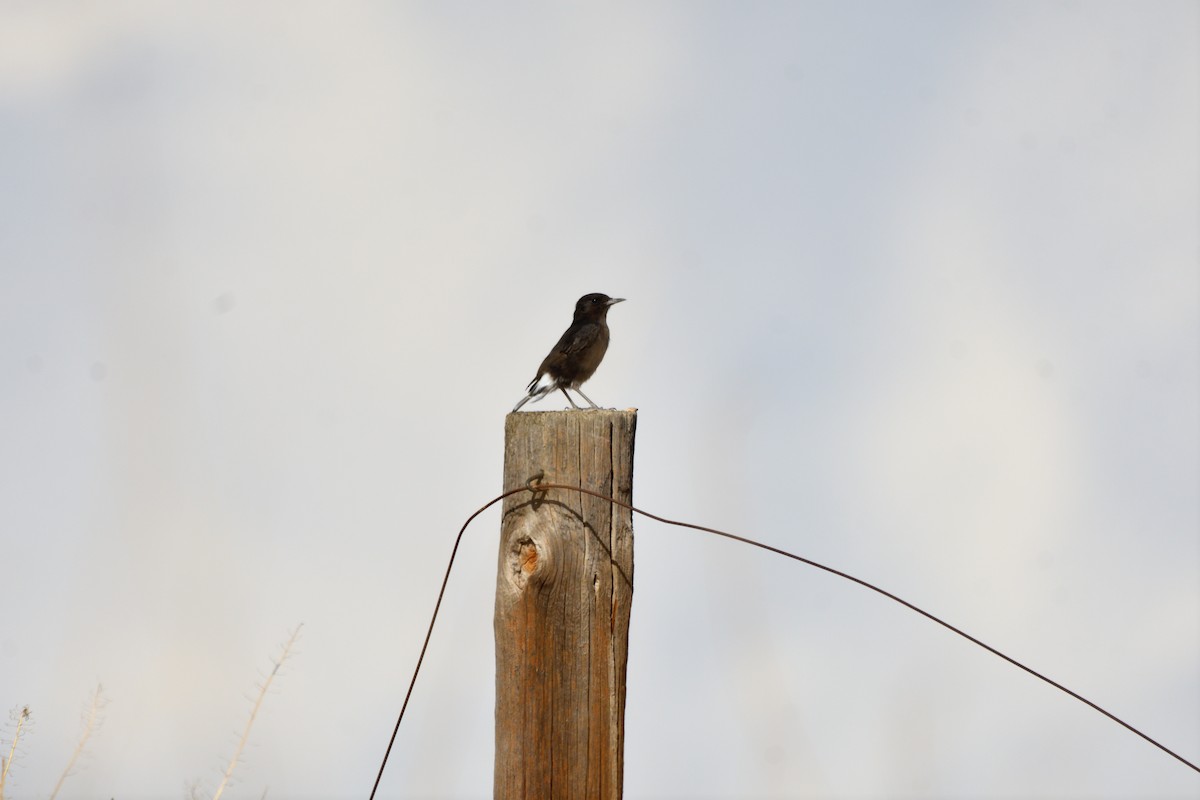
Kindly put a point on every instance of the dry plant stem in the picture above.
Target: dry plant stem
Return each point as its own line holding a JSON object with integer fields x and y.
{"x": 89, "y": 727}
{"x": 262, "y": 693}
{"x": 6, "y": 763}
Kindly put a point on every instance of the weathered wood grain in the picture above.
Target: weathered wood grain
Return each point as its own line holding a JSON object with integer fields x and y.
{"x": 564, "y": 586}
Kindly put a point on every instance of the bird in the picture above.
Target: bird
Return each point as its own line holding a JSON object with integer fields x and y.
{"x": 575, "y": 358}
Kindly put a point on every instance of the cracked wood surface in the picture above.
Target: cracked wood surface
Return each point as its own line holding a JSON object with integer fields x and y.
{"x": 564, "y": 586}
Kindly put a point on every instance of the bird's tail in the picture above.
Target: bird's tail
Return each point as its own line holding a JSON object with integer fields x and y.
{"x": 539, "y": 387}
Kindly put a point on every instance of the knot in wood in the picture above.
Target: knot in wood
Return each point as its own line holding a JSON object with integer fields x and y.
{"x": 538, "y": 544}
{"x": 523, "y": 558}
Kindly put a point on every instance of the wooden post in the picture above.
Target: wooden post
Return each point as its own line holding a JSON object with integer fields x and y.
{"x": 563, "y": 592}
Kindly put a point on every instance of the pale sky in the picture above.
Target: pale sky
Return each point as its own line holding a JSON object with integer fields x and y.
{"x": 912, "y": 291}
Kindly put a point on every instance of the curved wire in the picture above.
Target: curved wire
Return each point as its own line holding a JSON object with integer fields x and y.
{"x": 437, "y": 606}
{"x": 541, "y": 487}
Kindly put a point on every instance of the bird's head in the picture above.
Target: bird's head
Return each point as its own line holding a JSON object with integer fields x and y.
{"x": 595, "y": 306}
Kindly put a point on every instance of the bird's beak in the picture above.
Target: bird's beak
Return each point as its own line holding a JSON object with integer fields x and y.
{"x": 612, "y": 301}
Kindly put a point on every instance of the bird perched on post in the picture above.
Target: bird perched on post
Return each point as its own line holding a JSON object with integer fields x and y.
{"x": 575, "y": 358}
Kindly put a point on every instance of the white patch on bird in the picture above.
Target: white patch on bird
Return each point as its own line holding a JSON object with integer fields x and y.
{"x": 544, "y": 386}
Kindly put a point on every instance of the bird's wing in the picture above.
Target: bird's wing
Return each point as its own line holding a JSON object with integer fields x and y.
{"x": 576, "y": 339}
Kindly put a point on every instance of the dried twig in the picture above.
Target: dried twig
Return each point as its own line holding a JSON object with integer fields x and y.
{"x": 262, "y": 693}
{"x": 20, "y": 718}
{"x": 91, "y": 721}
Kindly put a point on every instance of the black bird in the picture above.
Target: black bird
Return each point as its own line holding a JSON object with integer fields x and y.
{"x": 575, "y": 358}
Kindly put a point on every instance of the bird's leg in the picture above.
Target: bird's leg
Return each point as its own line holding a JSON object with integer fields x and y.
{"x": 563, "y": 389}
{"x": 585, "y": 397}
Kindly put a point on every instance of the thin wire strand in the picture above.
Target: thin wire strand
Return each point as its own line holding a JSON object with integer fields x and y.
{"x": 436, "y": 607}
{"x": 538, "y": 488}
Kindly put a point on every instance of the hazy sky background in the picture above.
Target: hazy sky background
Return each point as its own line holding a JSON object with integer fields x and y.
{"x": 912, "y": 290}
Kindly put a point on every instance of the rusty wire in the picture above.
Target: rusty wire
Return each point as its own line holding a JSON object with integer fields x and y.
{"x": 538, "y": 488}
